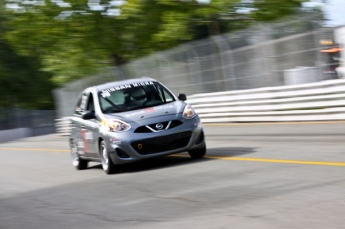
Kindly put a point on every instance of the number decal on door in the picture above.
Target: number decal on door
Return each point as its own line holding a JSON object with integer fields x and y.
{"x": 86, "y": 136}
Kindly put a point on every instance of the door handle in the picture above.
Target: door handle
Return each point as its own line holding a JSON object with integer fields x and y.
{"x": 82, "y": 126}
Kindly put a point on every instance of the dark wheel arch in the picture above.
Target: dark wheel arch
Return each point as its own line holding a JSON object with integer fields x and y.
{"x": 197, "y": 153}
{"x": 107, "y": 164}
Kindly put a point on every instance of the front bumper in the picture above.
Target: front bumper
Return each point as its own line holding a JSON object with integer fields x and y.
{"x": 129, "y": 147}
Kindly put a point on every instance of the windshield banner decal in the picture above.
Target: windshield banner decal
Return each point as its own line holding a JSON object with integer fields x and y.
{"x": 106, "y": 93}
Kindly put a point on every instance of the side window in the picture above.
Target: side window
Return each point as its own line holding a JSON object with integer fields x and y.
{"x": 164, "y": 94}
{"x": 81, "y": 104}
{"x": 168, "y": 96}
{"x": 90, "y": 103}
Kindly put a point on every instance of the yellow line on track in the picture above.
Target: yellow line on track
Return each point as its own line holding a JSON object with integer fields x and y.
{"x": 35, "y": 149}
{"x": 279, "y": 161}
{"x": 342, "y": 164}
{"x": 273, "y": 123}
{"x": 271, "y": 160}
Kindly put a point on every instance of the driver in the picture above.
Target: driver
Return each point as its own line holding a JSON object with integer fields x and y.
{"x": 138, "y": 96}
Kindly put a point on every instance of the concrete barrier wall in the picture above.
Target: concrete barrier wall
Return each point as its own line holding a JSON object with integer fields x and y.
{"x": 14, "y": 134}
{"x": 9, "y": 135}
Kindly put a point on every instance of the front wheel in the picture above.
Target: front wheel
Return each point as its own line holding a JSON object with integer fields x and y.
{"x": 197, "y": 153}
{"x": 107, "y": 164}
{"x": 77, "y": 162}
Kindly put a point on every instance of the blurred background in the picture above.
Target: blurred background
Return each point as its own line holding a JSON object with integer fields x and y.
{"x": 52, "y": 50}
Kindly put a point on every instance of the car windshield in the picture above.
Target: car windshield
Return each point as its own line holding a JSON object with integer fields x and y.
{"x": 134, "y": 96}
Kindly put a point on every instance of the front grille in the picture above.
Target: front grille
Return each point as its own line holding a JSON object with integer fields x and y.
{"x": 162, "y": 144}
{"x": 153, "y": 127}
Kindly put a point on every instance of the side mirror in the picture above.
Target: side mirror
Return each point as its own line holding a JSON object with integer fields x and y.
{"x": 89, "y": 115}
{"x": 182, "y": 97}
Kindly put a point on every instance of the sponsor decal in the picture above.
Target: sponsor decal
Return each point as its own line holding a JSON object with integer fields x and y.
{"x": 135, "y": 113}
{"x": 86, "y": 147}
{"x": 80, "y": 145}
{"x": 86, "y": 137}
{"x": 165, "y": 106}
{"x": 104, "y": 122}
{"x": 106, "y": 93}
{"x": 142, "y": 84}
{"x": 151, "y": 109}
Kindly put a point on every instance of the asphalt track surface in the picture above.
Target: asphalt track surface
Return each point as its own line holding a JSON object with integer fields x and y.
{"x": 258, "y": 176}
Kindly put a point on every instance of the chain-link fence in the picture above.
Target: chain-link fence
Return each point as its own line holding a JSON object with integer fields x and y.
{"x": 261, "y": 56}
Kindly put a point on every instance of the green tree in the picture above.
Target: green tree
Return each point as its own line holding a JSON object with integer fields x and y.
{"x": 21, "y": 83}
{"x": 268, "y": 10}
{"x": 77, "y": 38}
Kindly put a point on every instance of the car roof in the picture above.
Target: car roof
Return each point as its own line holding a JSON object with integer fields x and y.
{"x": 120, "y": 83}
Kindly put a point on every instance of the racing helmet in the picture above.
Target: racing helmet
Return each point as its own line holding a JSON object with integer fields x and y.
{"x": 138, "y": 95}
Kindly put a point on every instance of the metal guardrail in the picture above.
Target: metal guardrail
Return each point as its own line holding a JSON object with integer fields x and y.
{"x": 63, "y": 126}
{"x": 321, "y": 101}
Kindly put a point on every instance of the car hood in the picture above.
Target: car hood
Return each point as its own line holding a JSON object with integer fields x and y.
{"x": 150, "y": 112}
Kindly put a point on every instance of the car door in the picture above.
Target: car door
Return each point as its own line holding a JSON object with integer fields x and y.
{"x": 77, "y": 124}
{"x": 89, "y": 129}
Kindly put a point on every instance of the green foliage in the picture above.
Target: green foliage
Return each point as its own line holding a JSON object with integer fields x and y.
{"x": 21, "y": 82}
{"x": 75, "y": 40}
{"x": 22, "y": 85}
{"x": 268, "y": 10}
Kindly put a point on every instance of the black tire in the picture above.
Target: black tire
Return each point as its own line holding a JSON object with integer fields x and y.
{"x": 77, "y": 162}
{"x": 197, "y": 153}
{"x": 107, "y": 164}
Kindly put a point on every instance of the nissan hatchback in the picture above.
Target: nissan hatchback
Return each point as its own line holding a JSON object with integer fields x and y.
{"x": 131, "y": 120}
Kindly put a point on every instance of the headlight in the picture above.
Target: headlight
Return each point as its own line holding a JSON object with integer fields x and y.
{"x": 115, "y": 125}
{"x": 188, "y": 112}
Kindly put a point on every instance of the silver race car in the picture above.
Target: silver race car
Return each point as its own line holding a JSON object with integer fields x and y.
{"x": 126, "y": 121}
